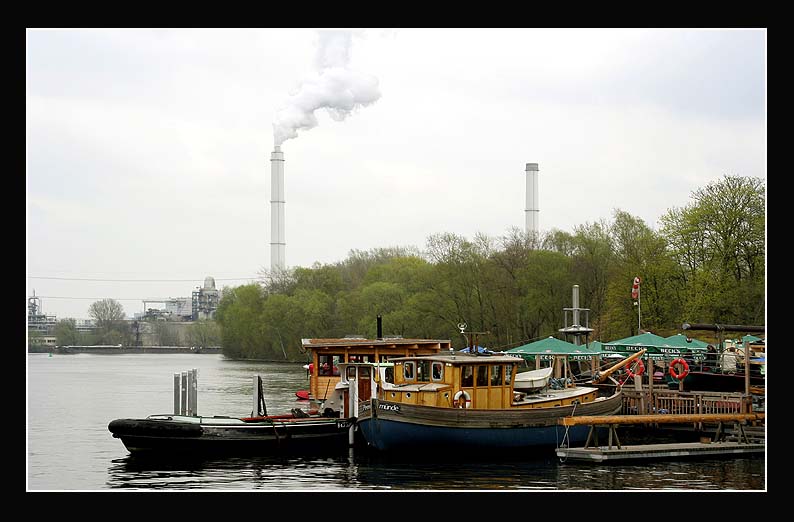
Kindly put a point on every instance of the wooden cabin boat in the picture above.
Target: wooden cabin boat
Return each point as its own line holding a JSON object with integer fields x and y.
{"x": 327, "y": 355}
{"x": 470, "y": 401}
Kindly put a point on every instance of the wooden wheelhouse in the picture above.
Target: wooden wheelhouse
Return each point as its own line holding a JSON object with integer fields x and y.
{"x": 325, "y": 355}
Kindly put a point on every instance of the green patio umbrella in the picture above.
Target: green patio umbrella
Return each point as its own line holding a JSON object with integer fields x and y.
{"x": 657, "y": 347}
{"x": 551, "y": 347}
{"x": 681, "y": 340}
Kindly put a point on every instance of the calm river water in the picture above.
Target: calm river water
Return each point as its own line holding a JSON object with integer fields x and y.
{"x": 72, "y": 398}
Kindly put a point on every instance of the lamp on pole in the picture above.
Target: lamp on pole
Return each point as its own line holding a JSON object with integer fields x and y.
{"x": 635, "y": 294}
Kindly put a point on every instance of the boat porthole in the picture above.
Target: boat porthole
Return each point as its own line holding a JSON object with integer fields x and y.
{"x": 408, "y": 394}
{"x": 393, "y": 395}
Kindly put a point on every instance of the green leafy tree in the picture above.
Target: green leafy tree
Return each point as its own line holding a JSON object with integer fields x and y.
{"x": 718, "y": 241}
{"x": 239, "y": 314}
{"x": 66, "y": 333}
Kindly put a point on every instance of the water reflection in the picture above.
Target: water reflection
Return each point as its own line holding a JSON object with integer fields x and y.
{"x": 370, "y": 471}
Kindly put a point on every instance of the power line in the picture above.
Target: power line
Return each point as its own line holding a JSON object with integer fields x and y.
{"x": 141, "y": 280}
{"x": 115, "y": 298}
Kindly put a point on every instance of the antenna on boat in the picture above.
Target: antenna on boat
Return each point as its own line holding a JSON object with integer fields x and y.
{"x": 471, "y": 338}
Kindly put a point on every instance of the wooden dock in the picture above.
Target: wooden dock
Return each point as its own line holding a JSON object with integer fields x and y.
{"x": 661, "y": 451}
{"x": 719, "y": 445}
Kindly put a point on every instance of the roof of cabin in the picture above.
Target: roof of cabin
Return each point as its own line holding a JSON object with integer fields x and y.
{"x": 462, "y": 358}
{"x": 359, "y": 341}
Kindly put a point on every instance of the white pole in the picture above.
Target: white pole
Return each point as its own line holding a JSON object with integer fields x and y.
{"x": 176, "y": 394}
{"x": 531, "y": 209}
{"x": 183, "y": 394}
{"x": 194, "y": 391}
{"x": 189, "y": 410}
{"x": 277, "y": 203}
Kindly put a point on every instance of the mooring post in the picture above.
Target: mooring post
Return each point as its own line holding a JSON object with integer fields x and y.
{"x": 176, "y": 394}
{"x": 183, "y": 394}
{"x": 195, "y": 391}
{"x": 352, "y": 405}
{"x": 189, "y": 409}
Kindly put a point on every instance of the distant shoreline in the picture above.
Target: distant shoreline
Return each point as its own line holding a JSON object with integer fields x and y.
{"x": 112, "y": 350}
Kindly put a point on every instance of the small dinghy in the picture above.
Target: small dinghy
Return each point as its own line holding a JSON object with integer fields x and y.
{"x": 533, "y": 379}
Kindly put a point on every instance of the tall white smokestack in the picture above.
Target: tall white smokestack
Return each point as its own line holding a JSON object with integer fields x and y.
{"x": 532, "y": 211}
{"x": 277, "y": 240}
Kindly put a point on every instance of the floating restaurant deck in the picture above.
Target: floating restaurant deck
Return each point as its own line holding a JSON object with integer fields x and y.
{"x": 706, "y": 447}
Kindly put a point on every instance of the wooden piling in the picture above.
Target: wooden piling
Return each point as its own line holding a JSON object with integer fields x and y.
{"x": 176, "y": 394}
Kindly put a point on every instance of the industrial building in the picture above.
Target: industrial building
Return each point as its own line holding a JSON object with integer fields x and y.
{"x": 202, "y": 305}
{"x": 40, "y": 325}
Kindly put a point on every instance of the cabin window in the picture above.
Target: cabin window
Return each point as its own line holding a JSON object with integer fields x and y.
{"x": 328, "y": 364}
{"x": 482, "y": 375}
{"x": 351, "y": 372}
{"x": 363, "y": 372}
{"x": 389, "y": 374}
{"x": 508, "y": 373}
{"x": 423, "y": 371}
{"x": 467, "y": 375}
{"x": 408, "y": 371}
{"x": 496, "y": 375}
{"x": 362, "y": 358}
{"x": 438, "y": 371}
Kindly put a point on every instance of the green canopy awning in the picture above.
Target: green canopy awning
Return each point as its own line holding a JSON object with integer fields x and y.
{"x": 553, "y": 347}
{"x": 657, "y": 347}
{"x": 751, "y": 338}
{"x": 687, "y": 342}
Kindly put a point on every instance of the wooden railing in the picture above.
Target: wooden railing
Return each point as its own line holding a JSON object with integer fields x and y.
{"x": 636, "y": 402}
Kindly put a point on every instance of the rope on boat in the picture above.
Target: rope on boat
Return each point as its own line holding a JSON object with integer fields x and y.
{"x": 278, "y": 440}
{"x": 566, "y": 441}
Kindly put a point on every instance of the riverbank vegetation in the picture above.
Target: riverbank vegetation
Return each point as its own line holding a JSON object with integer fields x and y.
{"x": 704, "y": 264}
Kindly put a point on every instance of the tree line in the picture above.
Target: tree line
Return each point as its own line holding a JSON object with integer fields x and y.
{"x": 705, "y": 264}
{"x": 113, "y": 328}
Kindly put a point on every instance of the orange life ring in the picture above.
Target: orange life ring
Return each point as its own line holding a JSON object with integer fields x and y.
{"x": 462, "y": 399}
{"x": 684, "y": 371}
{"x": 640, "y": 368}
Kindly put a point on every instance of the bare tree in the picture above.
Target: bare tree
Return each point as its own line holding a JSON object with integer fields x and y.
{"x": 109, "y": 317}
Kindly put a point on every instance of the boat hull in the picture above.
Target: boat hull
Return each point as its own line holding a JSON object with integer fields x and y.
{"x": 717, "y": 382}
{"x": 203, "y": 435}
{"x": 390, "y": 426}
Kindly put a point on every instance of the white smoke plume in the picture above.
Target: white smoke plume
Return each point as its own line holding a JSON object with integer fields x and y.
{"x": 335, "y": 87}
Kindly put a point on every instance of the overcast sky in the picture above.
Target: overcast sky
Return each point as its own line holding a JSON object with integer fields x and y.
{"x": 148, "y": 151}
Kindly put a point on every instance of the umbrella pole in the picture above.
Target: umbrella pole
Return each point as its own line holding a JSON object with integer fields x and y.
{"x": 650, "y": 384}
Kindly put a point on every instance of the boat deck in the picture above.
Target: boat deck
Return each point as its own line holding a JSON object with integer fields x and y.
{"x": 549, "y": 395}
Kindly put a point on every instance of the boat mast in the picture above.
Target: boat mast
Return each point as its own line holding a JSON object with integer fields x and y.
{"x": 576, "y": 329}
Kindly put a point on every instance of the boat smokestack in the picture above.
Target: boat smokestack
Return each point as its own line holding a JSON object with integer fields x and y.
{"x": 575, "y": 305}
{"x": 277, "y": 240}
{"x": 380, "y": 327}
{"x": 532, "y": 211}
